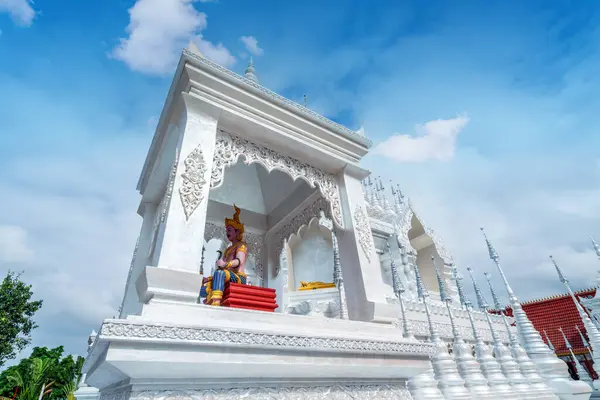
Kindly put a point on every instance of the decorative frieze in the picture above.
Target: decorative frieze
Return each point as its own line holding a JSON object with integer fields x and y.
{"x": 230, "y": 147}
{"x": 149, "y": 331}
{"x": 337, "y": 392}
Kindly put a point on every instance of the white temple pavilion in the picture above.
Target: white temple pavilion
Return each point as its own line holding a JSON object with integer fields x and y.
{"x": 370, "y": 304}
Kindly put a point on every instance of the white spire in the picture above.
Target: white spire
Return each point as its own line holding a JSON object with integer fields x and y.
{"x": 582, "y": 375}
{"x": 550, "y": 345}
{"x": 444, "y": 365}
{"x": 250, "y": 73}
{"x": 597, "y": 250}
{"x": 596, "y": 247}
{"x": 592, "y": 331}
{"x": 509, "y": 367}
{"x": 468, "y": 368}
{"x": 552, "y": 369}
{"x": 398, "y": 291}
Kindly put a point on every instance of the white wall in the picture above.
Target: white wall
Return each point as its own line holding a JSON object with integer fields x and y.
{"x": 242, "y": 187}
{"x": 426, "y": 267}
{"x": 312, "y": 256}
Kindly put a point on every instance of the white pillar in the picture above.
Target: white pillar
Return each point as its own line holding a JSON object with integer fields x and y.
{"x": 131, "y": 304}
{"x": 178, "y": 249}
{"x": 361, "y": 269}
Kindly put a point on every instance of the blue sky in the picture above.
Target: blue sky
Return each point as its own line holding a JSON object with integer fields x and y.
{"x": 484, "y": 112}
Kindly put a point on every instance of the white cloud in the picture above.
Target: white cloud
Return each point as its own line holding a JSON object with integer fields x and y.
{"x": 252, "y": 45}
{"x": 20, "y": 11}
{"x": 217, "y": 53}
{"x": 68, "y": 219}
{"x": 14, "y": 246}
{"x": 158, "y": 31}
{"x": 435, "y": 140}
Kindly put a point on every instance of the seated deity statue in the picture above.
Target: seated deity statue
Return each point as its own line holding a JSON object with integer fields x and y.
{"x": 229, "y": 267}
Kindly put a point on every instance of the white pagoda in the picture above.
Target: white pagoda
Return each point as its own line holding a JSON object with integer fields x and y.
{"x": 370, "y": 304}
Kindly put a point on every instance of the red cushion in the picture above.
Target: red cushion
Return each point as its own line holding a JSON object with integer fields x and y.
{"x": 237, "y": 295}
{"x": 237, "y": 288}
{"x": 249, "y": 304}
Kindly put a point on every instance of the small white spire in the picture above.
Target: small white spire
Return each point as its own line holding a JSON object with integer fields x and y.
{"x": 250, "y": 73}
{"x": 549, "y": 343}
{"x": 596, "y": 247}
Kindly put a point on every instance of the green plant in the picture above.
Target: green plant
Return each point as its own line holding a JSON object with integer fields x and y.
{"x": 35, "y": 382}
{"x": 63, "y": 372}
{"x": 16, "y": 316}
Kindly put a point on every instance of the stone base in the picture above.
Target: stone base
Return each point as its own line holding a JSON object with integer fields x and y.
{"x": 249, "y": 297}
{"x": 319, "y": 302}
{"x": 193, "y": 348}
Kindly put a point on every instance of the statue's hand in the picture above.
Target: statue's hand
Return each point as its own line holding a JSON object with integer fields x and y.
{"x": 221, "y": 263}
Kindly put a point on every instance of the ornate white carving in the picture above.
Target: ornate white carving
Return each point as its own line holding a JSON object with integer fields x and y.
{"x": 129, "y": 330}
{"x": 380, "y": 214}
{"x": 214, "y": 231}
{"x": 363, "y": 229}
{"x": 404, "y": 223}
{"x": 121, "y": 394}
{"x": 337, "y": 392}
{"x": 230, "y": 147}
{"x": 298, "y": 221}
{"x": 280, "y": 99}
{"x": 325, "y": 308}
{"x": 255, "y": 242}
{"x": 192, "y": 187}
{"x": 256, "y": 247}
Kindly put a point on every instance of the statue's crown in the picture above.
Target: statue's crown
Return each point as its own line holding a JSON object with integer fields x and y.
{"x": 235, "y": 222}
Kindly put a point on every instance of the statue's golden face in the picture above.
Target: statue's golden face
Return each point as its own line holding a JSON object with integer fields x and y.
{"x": 231, "y": 233}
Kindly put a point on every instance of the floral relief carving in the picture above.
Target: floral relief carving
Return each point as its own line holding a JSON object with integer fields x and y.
{"x": 193, "y": 181}
{"x": 337, "y": 392}
{"x": 124, "y": 329}
{"x": 363, "y": 230}
{"x": 230, "y": 147}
